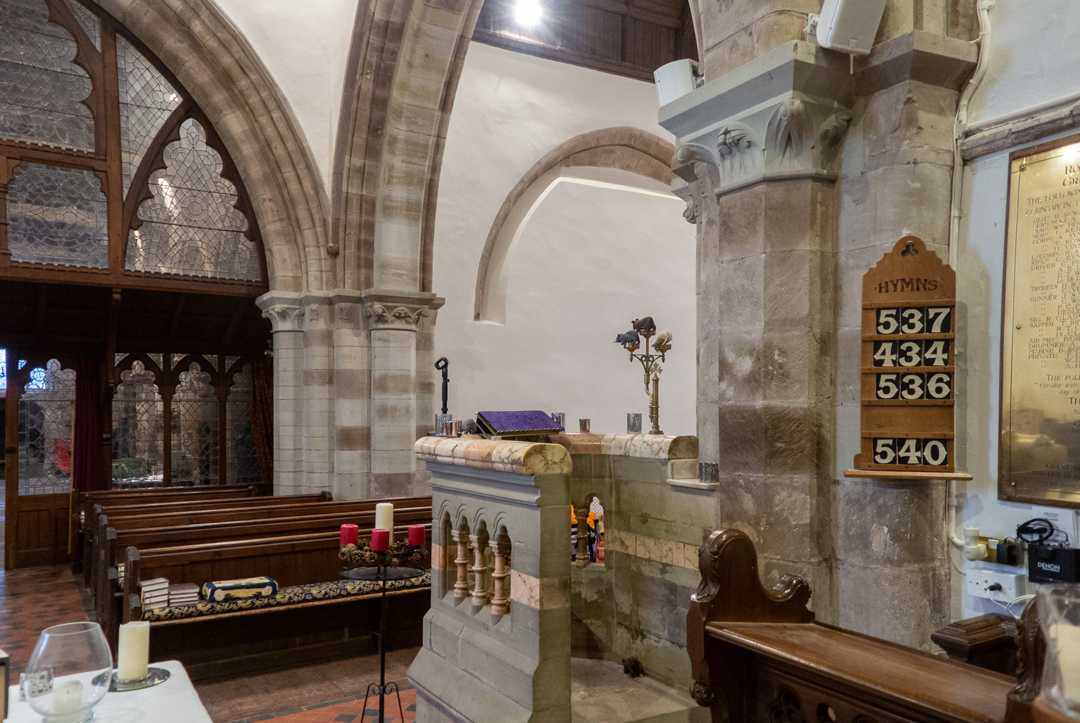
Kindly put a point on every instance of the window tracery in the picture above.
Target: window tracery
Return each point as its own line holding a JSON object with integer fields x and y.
{"x": 81, "y": 100}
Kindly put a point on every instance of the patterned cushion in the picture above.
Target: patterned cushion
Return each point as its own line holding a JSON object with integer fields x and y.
{"x": 291, "y": 595}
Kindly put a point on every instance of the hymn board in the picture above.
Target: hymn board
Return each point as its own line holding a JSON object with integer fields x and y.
{"x": 908, "y": 366}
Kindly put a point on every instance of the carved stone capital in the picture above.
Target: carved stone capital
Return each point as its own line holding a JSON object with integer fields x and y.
{"x": 780, "y": 116}
{"x": 398, "y": 310}
{"x": 284, "y": 309}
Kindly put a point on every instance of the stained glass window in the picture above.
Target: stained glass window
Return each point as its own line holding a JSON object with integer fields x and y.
{"x": 191, "y": 221}
{"x": 87, "y": 21}
{"x": 191, "y": 225}
{"x": 57, "y": 216}
{"x": 138, "y": 430}
{"x": 194, "y": 429}
{"x": 243, "y": 466}
{"x": 3, "y": 369}
{"x": 41, "y": 88}
{"x": 46, "y": 430}
{"x": 146, "y": 100}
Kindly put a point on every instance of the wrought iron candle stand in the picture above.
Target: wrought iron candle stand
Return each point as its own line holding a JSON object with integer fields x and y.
{"x": 650, "y": 360}
{"x": 391, "y": 564}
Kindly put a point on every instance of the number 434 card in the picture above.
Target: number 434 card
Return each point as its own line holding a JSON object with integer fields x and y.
{"x": 908, "y": 367}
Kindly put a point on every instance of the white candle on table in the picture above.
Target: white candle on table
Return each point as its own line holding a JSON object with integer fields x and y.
{"x": 1067, "y": 639}
{"x": 133, "y": 658}
{"x": 384, "y": 516}
{"x": 67, "y": 696}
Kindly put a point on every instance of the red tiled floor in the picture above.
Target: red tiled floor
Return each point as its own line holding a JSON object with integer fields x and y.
{"x": 32, "y": 599}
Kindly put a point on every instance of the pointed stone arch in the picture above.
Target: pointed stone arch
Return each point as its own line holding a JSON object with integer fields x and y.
{"x": 215, "y": 64}
{"x": 622, "y": 149}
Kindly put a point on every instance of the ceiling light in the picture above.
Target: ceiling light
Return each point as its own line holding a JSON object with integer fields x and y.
{"x": 528, "y": 13}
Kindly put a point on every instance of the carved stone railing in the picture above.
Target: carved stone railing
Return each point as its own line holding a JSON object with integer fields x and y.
{"x": 497, "y": 636}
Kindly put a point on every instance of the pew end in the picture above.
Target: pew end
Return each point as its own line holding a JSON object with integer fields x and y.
{"x": 758, "y": 654}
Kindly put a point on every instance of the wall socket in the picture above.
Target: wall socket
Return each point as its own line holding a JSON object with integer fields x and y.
{"x": 1006, "y": 585}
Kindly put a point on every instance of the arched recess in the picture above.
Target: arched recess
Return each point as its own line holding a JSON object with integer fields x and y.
{"x": 221, "y": 70}
{"x": 614, "y": 156}
{"x": 405, "y": 61}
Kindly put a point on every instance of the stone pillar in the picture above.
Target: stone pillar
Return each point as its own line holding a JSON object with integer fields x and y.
{"x": 759, "y": 151}
{"x": 892, "y": 567}
{"x": 352, "y": 398}
{"x": 393, "y": 320}
{"x": 317, "y": 400}
{"x": 286, "y": 313}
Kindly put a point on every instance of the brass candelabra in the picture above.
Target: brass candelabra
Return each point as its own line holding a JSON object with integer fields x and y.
{"x": 650, "y": 359}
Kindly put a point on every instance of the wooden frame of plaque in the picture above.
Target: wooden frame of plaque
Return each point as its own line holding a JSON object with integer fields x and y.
{"x": 908, "y": 367}
{"x": 1039, "y": 426}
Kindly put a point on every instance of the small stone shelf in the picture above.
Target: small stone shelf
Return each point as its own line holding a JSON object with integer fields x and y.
{"x": 897, "y": 474}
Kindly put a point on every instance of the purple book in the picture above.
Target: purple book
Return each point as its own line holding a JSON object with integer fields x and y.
{"x": 531, "y": 422}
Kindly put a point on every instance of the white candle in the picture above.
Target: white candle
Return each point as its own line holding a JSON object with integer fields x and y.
{"x": 1067, "y": 639}
{"x": 133, "y": 658}
{"x": 67, "y": 696}
{"x": 384, "y": 516}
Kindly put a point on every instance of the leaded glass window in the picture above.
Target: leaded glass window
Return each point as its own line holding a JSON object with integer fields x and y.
{"x": 146, "y": 101}
{"x": 177, "y": 208}
{"x": 138, "y": 429}
{"x": 46, "y": 430}
{"x": 41, "y": 88}
{"x": 243, "y": 466}
{"x": 195, "y": 429}
{"x": 57, "y": 216}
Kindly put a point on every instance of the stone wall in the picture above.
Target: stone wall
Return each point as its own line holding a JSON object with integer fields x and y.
{"x": 656, "y": 514}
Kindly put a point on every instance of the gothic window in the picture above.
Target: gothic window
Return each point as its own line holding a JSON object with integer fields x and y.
{"x": 242, "y": 464}
{"x": 195, "y": 428}
{"x": 137, "y": 433}
{"x": 107, "y": 166}
{"x": 46, "y": 430}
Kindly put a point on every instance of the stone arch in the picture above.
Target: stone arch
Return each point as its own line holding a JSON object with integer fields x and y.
{"x": 406, "y": 58}
{"x": 219, "y": 68}
{"x": 635, "y": 155}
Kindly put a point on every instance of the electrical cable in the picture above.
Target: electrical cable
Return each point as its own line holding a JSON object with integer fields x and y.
{"x": 1039, "y": 531}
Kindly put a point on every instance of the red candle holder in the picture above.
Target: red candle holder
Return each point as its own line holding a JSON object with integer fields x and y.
{"x": 350, "y": 534}
{"x": 417, "y": 535}
{"x": 380, "y": 540}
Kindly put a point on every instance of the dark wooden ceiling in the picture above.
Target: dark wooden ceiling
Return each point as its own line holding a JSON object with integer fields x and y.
{"x": 626, "y": 37}
{"x": 60, "y": 318}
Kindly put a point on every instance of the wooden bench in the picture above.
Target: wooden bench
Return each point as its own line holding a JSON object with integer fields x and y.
{"x": 82, "y": 505}
{"x": 147, "y": 510}
{"x": 316, "y": 616}
{"x": 758, "y": 655}
{"x": 113, "y": 541}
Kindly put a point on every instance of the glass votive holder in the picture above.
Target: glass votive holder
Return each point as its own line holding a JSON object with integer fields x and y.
{"x": 69, "y": 672}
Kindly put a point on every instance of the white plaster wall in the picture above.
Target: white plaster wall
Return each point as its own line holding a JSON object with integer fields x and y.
{"x": 305, "y": 46}
{"x": 589, "y": 260}
{"x": 1035, "y": 49}
{"x": 1033, "y": 59}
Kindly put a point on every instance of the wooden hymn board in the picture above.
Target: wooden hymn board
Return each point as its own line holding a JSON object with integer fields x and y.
{"x": 908, "y": 366}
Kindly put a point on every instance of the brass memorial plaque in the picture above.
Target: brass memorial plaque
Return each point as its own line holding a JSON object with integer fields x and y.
{"x": 1039, "y": 458}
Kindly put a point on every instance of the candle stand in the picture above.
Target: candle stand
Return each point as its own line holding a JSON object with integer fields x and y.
{"x": 650, "y": 359}
{"x": 382, "y": 573}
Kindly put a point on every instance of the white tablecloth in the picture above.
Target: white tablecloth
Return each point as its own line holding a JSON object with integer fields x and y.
{"x": 174, "y": 701}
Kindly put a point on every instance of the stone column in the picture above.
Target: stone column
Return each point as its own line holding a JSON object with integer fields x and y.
{"x": 892, "y": 567}
{"x": 758, "y": 148}
{"x": 317, "y": 400}
{"x": 352, "y": 398}
{"x": 393, "y": 320}
{"x": 286, "y": 314}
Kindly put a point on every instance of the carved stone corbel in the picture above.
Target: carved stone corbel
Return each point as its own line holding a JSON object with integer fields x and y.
{"x": 398, "y": 310}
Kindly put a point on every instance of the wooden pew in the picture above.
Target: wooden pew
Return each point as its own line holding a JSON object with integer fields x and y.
{"x": 758, "y": 655}
{"x": 246, "y": 640}
{"x": 147, "y": 509}
{"x": 268, "y": 511}
{"x": 82, "y": 504}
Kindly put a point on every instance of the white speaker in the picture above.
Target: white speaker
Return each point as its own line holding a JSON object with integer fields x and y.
{"x": 675, "y": 79}
{"x": 849, "y": 26}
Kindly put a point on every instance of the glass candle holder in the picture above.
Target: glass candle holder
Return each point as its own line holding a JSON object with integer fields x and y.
{"x": 1059, "y": 616}
{"x": 69, "y": 672}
